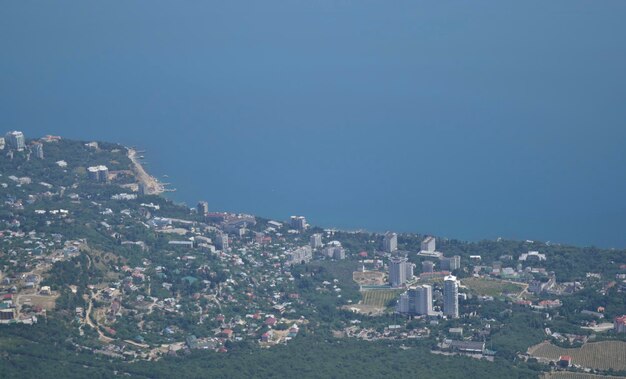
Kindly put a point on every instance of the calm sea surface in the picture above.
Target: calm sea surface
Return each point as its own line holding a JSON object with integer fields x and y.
{"x": 463, "y": 119}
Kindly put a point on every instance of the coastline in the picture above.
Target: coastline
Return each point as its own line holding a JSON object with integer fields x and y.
{"x": 151, "y": 185}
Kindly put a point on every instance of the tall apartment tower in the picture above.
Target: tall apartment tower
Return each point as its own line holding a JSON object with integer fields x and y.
{"x": 38, "y": 150}
{"x": 424, "y": 304}
{"x": 98, "y": 173}
{"x": 390, "y": 242}
{"x": 404, "y": 303}
{"x": 409, "y": 267}
{"x": 298, "y": 222}
{"x": 450, "y": 297}
{"x": 450, "y": 263}
{"x": 428, "y": 244}
{"x": 16, "y": 140}
{"x": 203, "y": 208}
{"x": 221, "y": 241}
{"x": 316, "y": 241}
{"x": 397, "y": 271}
{"x": 416, "y": 301}
{"x": 103, "y": 174}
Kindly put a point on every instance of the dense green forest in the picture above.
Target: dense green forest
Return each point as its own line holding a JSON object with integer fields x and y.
{"x": 27, "y": 352}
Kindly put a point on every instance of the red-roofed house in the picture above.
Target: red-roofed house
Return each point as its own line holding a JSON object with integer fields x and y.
{"x": 228, "y": 333}
{"x": 266, "y": 336}
{"x": 270, "y": 321}
{"x": 565, "y": 361}
{"x": 293, "y": 332}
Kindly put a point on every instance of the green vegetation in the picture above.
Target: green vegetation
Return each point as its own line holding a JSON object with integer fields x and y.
{"x": 314, "y": 356}
{"x": 491, "y": 287}
{"x": 111, "y": 254}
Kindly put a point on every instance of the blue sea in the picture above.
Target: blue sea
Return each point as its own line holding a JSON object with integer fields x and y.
{"x": 471, "y": 120}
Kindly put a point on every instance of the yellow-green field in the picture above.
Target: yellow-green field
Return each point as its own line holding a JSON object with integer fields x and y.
{"x": 488, "y": 287}
{"x": 379, "y": 298}
{"x": 599, "y": 355}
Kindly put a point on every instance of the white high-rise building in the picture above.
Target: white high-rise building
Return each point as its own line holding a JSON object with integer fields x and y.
{"x": 428, "y": 244}
{"x": 450, "y": 297}
{"x": 203, "y": 208}
{"x": 397, "y": 271}
{"x": 316, "y": 241}
{"x": 298, "y": 222}
{"x": 98, "y": 173}
{"x": 222, "y": 241}
{"x": 390, "y": 242}
{"x": 334, "y": 252}
{"x": 418, "y": 301}
{"x": 450, "y": 263}
{"x": 424, "y": 304}
{"x": 38, "y": 150}
{"x": 16, "y": 140}
{"x": 409, "y": 267}
{"x": 302, "y": 254}
{"x": 403, "y": 303}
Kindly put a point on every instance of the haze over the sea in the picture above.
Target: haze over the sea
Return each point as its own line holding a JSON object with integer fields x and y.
{"x": 469, "y": 120}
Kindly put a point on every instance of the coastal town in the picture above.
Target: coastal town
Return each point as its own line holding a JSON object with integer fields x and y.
{"x": 87, "y": 236}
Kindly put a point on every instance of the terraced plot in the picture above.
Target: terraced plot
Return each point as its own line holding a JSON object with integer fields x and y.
{"x": 379, "y": 298}
{"x": 599, "y": 355}
{"x": 575, "y": 375}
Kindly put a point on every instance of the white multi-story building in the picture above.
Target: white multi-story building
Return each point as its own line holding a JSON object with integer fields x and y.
{"x": 203, "y": 208}
{"x": 98, "y": 173}
{"x": 450, "y": 263}
{"x": 428, "y": 244}
{"x": 334, "y": 252}
{"x": 390, "y": 242}
{"x": 222, "y": 241}
{"x": 450, "y": 297}
{"x": 418, "y": 301}
{"x": 409, "y": 267}
{"x": 397, "y": 271}
{"x": 38, "y": 150}
{"x": 298, "y": 222}
{"x": 316, "y": 241}
{"x": 403, "y": 303}
{"x": 16, "y": 140}
{"x": 302, "y": 254}
{"x": 424, "y": 304}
